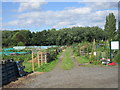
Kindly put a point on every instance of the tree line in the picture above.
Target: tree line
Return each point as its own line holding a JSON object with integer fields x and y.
{"x": 64, "y": 36}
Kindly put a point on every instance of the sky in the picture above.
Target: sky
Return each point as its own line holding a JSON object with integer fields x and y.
{"x": 43, "y": 15}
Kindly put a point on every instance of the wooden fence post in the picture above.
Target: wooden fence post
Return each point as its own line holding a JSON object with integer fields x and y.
{"x": 45, "y": 58}
{"x": 41, "y": 58}
{"x": 38, "y": 59}
{"x": 32, "y": 61}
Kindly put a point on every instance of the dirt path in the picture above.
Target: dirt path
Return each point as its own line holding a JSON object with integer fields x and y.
{"x": 78, "y": 77}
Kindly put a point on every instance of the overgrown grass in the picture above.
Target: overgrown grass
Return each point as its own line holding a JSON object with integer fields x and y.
{"x": 82, "y": 59}
{"x": 43, "y": 68}
{"x": 28, "y": 66}
{"x": 47, "y": 67}
{"x": 67, "y": 62}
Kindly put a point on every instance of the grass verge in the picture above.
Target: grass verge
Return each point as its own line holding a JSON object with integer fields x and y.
{"x": 67, "y": 62}
{"x": 47, "y": 67}
{"x": 43, "y": 68}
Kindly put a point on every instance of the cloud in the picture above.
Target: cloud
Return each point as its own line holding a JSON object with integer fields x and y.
{"x": 99, "y": 1}
{"x": 101, "y": 5}
{"x": 31, "y": 5}
{"x": 23, "y": 0}
{"x": 63, "y": 0}
{"x": 79, "y": 10}
{"x": 83, "y": 16}
{"x": 50, "y": 18}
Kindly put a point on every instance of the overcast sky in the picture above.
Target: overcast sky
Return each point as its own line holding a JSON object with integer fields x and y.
{"x": 37, "y": 16}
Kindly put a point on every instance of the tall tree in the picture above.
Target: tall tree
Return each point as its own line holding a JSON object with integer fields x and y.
{"x": 110, "y": 25}
{"x": 65, "y": 36}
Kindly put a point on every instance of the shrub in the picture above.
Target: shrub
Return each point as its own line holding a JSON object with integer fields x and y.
{"x": 117, "y": 58}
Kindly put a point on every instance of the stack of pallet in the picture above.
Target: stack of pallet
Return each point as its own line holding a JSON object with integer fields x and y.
{"x": 11, "y": 70}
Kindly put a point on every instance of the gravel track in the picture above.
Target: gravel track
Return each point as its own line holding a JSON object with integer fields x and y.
{"x": 78, "y": 77}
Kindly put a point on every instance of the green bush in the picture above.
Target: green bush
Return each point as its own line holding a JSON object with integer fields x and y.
{"x": 117, "y": 58}
{"x": 96, "y": 62}
{"x": 17, "y": 57}
{"x": 85, "y": 46}
{"x": 53, "y": 52}
{"x": 82, "y": 59}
